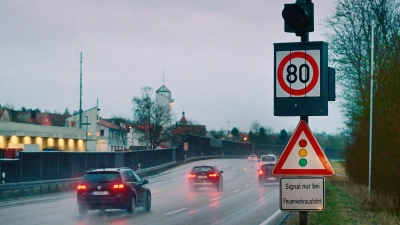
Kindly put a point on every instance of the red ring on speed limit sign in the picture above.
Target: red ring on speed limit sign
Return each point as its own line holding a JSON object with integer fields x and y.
{"x": 313, "y": 81}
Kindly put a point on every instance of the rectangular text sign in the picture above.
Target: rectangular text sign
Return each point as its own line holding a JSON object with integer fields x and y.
{"x": 302, "y": 194}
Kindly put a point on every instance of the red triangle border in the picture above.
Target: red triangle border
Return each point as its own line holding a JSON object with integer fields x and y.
{"x": 303, "y": 127}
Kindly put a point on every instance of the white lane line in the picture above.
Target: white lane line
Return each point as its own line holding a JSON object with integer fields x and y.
{"x": 166, "y": 214}
{"x": 215, "y": 198}
{"x": 271, "y": 217}
{"x": 236, "y": 191}
{"x": 246, "y": 185}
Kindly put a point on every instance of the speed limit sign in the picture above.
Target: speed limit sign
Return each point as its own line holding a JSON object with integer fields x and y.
{"x": 298, "y": 74}
{"x": 301, "y": 79}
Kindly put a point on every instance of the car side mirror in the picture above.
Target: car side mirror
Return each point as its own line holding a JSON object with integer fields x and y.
{"x": 145, "y": 181}
{"x": 221, "y": 171}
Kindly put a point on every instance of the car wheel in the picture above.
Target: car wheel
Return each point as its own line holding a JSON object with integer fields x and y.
{"x": 148, "y": 202}
{"x": 83, "y": 210}
{"x": 132, "y": 206}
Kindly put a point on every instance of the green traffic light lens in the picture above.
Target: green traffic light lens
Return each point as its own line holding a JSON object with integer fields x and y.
{"x": 303, "y": 162}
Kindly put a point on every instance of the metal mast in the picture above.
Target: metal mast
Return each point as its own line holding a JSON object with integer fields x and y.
{"x": 80, "y": 93}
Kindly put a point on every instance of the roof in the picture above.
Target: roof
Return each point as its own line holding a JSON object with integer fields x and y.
{"x": 108, "y": 124}
{"x": 163, "y": 89}
{"x": 109, "y": 169}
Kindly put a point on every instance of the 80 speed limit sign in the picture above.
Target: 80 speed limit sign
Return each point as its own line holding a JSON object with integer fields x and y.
{"x": 298, "y": 73}
{"x": 301, "y": 79}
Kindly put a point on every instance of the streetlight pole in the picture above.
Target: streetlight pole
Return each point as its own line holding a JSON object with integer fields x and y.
{"x": 371, "y": 104}
{"x": 86, "y": 132}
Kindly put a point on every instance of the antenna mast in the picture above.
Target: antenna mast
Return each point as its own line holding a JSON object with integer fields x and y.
{"x": 80, "y": 97}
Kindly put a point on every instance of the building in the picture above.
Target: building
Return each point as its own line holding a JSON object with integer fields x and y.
{"x": 44, "y": 129}
{"x": 164, "y": 98}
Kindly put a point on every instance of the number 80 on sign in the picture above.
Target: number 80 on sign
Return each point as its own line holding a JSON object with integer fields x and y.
{"x": 298, "y": 74}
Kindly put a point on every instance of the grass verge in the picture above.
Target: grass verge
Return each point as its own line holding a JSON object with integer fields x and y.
{"x": 348, "y": 203}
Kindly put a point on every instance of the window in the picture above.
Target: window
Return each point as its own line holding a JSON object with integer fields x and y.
{"x": 105, "y": 177}
{"x": 101, "y": 132}
{"x": 129, "y": 177}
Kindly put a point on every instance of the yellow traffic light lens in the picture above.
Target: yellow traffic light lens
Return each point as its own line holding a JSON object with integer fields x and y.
{"x": 303, "y": 153}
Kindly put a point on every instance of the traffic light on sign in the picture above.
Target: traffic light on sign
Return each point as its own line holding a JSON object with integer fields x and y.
{"x": 299, "y": 17}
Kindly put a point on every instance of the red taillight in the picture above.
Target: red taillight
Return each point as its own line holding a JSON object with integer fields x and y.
{"x": 81, "y": 187}
{"x": 192, "y": 175}
{"x": 260, "y": 172}
{"x": 212, "y": 175}
{"x": 118, "y": 186}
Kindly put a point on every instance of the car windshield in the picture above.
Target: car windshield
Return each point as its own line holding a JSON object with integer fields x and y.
{"x": 268, "y": 158}
{"x": 103, "y": 177}
{"x": 202, "y": 169}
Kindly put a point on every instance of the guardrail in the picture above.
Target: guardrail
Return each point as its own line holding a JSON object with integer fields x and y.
{"x": 210, "y": 157}
{"x": 23, "y": 188}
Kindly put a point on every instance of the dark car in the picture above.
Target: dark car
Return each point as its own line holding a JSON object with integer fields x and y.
{"x": 265, "y": 174}
{"x": 113, "y": 188}
{"x": 206, "y": 176}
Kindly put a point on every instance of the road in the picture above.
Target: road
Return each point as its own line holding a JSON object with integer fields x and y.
{"x": 243, "y": 201}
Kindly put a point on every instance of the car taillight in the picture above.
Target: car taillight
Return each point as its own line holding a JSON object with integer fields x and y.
{"x": 118, "y": 186}
{"x": 212, "y": 175}
{"x": 192, "y": 175}
{"x": 81, "y": 187}
{"x": 260, "y": 172}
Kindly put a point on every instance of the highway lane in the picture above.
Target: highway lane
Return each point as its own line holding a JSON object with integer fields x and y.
{"x": 243, "y": 201}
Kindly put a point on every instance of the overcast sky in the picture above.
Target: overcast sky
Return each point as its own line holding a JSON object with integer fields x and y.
{"x": 216, "y": 56}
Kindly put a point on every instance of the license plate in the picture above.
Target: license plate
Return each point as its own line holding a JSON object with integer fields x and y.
{"x": 100, "y": 192}
{"x": 202, "y": 176}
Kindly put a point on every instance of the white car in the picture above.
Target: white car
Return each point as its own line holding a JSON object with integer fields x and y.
{"x": 268, "y": 159}
{"x": 252, "y": 157}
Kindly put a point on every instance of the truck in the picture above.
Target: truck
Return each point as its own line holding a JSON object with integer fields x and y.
{"x": 12, "y": 151}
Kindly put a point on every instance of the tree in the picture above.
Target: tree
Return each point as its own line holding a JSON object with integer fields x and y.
{"x": 255, "y": 127}
{"x": 283, "y": 137}
{"x": 151, "y": 116}
{"x": 349, "y": 36}
{"x": 235, "y": 134}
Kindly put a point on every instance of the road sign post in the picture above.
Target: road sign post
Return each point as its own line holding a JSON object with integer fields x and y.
{"x": 303, "y": 86}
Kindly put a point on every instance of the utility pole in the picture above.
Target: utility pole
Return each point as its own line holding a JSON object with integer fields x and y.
{"x": 371, "y": 109}
{"x": 80, "y": 96}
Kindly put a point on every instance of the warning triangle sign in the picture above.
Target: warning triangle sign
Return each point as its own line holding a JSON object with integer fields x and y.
{"x": 303, "y": 156}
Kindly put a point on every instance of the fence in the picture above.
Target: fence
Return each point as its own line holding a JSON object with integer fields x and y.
{"x": 40, "y": 166}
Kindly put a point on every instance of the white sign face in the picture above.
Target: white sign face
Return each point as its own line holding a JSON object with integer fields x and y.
{"x": 302, "y": 194}
{"x": 298, "y": 73}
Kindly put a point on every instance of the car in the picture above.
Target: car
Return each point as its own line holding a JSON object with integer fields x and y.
{"x": 267, "y": 159}
{"x": 252, "y": 157}
{"x": 265, "y": 174}
{"x": 205, "y": 176}
{"x": 112, "y": 188}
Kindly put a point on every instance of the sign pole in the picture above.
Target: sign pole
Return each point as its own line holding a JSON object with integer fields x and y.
{"x": 303, "y": 214}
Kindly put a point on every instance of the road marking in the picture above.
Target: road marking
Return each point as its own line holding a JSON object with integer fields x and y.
{"x": 215, "y": 198}
{"x": 271, "y": 217}
{"x": 236, "y": 191}
{"x": 246, "y": 185}
{"x": 166, "y": 214}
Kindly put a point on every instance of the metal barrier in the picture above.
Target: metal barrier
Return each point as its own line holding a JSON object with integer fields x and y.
{"x": 43, "y": 186}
